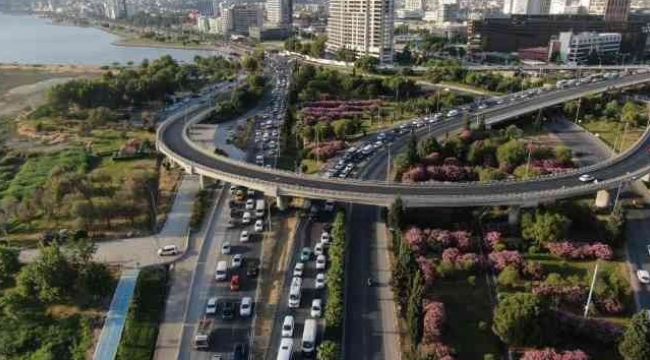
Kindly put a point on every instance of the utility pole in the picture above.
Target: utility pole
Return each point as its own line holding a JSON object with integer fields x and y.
{"x": 578, "y": 110}
{"x": 591, "y": 291}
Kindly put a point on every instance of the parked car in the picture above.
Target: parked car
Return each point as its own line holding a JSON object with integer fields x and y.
{"x": 168, "y": 250}
{"x": 298, "y": 269}
{"x": 321, "y": 262}
{"x": 643, "y": 275}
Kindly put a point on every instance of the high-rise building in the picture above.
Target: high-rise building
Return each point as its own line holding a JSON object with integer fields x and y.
{"x": 363, "y": 26}
{"x": 559, "y": 7}
{"x": 279, "y": 12}
{"x": 238, "y": 18}
{"x": 526, "y": 7}
{"x": 612, "y": 10}
{"x": 115, "y": 9}
{"x": 447, "y": 11}
{"x": 414, "y": 5}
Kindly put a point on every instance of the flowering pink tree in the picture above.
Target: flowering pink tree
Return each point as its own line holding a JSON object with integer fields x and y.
{"x": 534, "y": 270}
{"x": 415, "y": 239}
{"x": 492, "y": 238}
{"x": 415, "y": 174}
{"x": 468, "y": 261}
{"x": 433, "y": 322}
{"x": 501, "y": 259}
{"x": 569, "y": 295}
{"x": 463, "y": 240}
{"x": 436, "y": 351}
{"x": 450, "y": 255}
{"x": 428, "y": 270}
{"x": 580, "y": 251}
{"x": 551, "y": 354}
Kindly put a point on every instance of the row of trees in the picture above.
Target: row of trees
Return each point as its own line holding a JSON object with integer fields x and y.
{"x": 329, "y": 350}
{"x": 314, "y": 48}
{"x": 486, "y": 80}
{"x": 151, "y": 81}
{"x": 59, "y": 275}
{"x": 241, "y": 99}
{"x": 606, "y": 106}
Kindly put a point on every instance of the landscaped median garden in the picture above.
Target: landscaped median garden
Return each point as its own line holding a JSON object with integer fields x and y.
{"x": 330, "y": 348}
{"x": 329, "y": 110}
{"x": 476, "y": 290}
{"x": 479, "y": 154}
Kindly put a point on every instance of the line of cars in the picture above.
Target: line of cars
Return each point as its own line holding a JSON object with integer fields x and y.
{"x": 310, "y": 265}
{"x": 234, "y": 269}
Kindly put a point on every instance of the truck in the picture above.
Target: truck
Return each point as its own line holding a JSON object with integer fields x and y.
{"x": 203, "y": 334}
{"x": 260, "y": 206}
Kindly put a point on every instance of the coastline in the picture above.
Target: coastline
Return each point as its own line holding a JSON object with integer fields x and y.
{"x": 135, "y": 42}
{"x": 54, "y": 68}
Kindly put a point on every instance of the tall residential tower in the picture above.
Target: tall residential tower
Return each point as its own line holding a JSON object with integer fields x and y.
{"x": 363, "y": 26}
{"x": 279, "y": 12}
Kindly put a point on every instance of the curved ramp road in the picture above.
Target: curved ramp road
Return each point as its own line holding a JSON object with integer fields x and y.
{"x": 172, "y": 140}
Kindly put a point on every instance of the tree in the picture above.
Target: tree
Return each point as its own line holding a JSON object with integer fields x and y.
{"x": 563, "y": 154}
{"x": 329, "y": 350}
{"x": 490, "y": 174}
{"x": 412, "y": 151}
{"x": 50, "y": 277}
{"x": 629, "y": 113}
{"x": 367, "y": 63}
{"x": 512, "y": 153}
{"x": 612, "y": 109}
{"x": 396, "y": 214}
{"x": 95, "y": 281}
{"x": 9, "y": 264}
{"x": 250, "y": 64}
{"x": 544, "y": 226}
{"x": 317, "y": 49}
{"x": 518, "y": 319}
{"x": 414, "y": 309}
{"x": 427, "y": 146}
{"x": 509, "y": 277}
{"x": 635, "y": 344}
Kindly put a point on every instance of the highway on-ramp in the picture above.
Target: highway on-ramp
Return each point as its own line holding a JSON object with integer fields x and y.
{"x": 172, "y": 141}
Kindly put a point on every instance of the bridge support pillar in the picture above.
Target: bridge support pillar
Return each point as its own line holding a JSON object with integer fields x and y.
{"x": 281, "y": 202}
{"x": 514, "y": 214}
{"x": 201, "y": 182}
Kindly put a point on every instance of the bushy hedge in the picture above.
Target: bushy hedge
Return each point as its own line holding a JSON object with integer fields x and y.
{"x": 145, "y": 313}
{"x": 199, "y": 209}
{"x": 336, "y": 280}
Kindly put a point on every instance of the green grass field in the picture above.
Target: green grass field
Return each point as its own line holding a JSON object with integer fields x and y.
{"x": 611, "y": 133}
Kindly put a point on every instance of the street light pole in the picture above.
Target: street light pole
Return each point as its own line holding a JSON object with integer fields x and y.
{"x": 591, "y": 291}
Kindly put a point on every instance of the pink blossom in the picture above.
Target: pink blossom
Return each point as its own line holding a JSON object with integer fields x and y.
{"x": 463, "y": 240}
{"x": 450, "y": 255}
{"x": 551, "y": 354}
{"x": 501, "y": 259}
{"x": 433, "y": 321}
{"x": 428, "y": 270}
{"x": 580, "y": 251}
{"x": 415, "y": 240}
{"x": 492, "y": 238}
{"x": 569, "y": 295}
{"x": 534, "y": 270}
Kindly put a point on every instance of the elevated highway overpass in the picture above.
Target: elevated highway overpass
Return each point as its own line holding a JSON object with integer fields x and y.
{"x": 173, "y": 141}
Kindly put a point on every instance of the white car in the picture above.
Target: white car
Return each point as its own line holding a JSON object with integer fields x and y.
{"x": 648, "y": 249}
{"x": 237, "y": 260}
{"x": 244, "y": 236}
{"x": 320, "y": 281}
{"x": 225, "y": 248}
{"x": 321, "y": 262}
{"x": 305, "y": 254}
{"x": 298, "y": 269}
{"x": 246, "y": 306}
{"x": 643, "y": 275}
{"x": 287, "y": 326}
{"x": 316, "y": 308}
{"x": 325, "y": 238}
{"x": 259, "y": 226}
{"x": 586, "y": 178}
{"x": 319, "y": 249}
{"x": 250, "y": 204}
{"x": 168, "y": 250}
{"x": 246, "y": 218}
{"x": 211, "y": 307}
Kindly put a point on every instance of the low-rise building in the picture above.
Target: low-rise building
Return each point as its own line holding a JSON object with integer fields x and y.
{"x": 238, "y": 18}
{"x": 576, "y": 48}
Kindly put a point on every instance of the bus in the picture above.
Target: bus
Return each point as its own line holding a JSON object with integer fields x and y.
{"x": 285, "y": 352}
{"x": 309, "y": 338}
{"x": 295, "y": 292}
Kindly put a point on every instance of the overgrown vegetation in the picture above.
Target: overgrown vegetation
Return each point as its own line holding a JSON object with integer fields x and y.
{"x": 335, "y": 285}
{"x": 200, "y": 207}
{"x": 145, "y": 313}
{"x": 40, "y": 315}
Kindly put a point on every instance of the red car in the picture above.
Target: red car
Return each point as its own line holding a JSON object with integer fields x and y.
{"x": 234, "y": 283}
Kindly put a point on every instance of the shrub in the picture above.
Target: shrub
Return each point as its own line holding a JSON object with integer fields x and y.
{"x": 501, "y": 259}
{"x": 433, "y": 322}
{"x": 580, "y": 251}
{"x": 551, "y": 354}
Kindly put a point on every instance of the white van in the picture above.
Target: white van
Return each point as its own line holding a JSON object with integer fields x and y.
{"x": 309, "y": 338}
{"x": 285, "y": 352}
{"x": 295, "y": 292}
{"x": 246, "y": 218}
{"x": 168, "y": 250}
{"x": 260, "y": 206}
{"x": 222, "y": 271}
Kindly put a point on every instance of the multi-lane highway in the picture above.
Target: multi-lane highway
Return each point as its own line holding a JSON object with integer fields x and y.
{"x": 172, "y": 141}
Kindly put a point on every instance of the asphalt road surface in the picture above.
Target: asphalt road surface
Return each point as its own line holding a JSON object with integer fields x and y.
{"x": 637, "y": 242}
{"x": 308, "y": 235}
